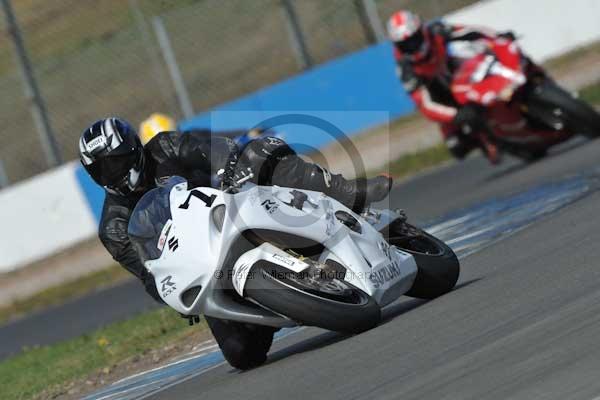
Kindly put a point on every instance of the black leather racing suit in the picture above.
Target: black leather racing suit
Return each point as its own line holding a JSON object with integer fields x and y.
{"x": 197, "y": 156}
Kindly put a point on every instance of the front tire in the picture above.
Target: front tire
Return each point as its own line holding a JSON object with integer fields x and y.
{"x": 344, "y": 308}
{"x": 438, "y": 266}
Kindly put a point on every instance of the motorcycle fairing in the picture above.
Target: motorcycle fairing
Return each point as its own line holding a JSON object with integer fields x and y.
{"x": 201, "y": 255}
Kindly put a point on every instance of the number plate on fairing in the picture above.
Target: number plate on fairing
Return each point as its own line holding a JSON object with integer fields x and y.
{"x": 267, "y": 252}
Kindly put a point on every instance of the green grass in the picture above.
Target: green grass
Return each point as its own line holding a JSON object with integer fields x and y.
{"x": 591, "y": 94}
{"x": 567, "y": 58}
{"x": 60, "y": 294}
{"x": 45, "y": 370}
{"x": 410, "y": 164}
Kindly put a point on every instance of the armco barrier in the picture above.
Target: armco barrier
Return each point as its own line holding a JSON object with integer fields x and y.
{"x": 61, "y": 207}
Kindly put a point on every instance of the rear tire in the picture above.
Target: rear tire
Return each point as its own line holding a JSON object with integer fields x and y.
{"x": 352, "y": 313}
{"x": 438, "y": 266}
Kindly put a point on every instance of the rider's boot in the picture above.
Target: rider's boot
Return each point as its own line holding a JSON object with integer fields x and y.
{"x": 274, "y": 162}
{"x": 460, "y": 145}
{"x": 355, "y": 194}
{"x": 490, "y": 149}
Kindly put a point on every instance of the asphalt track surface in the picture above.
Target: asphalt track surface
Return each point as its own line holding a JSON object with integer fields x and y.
{"x": 523, "y": 323}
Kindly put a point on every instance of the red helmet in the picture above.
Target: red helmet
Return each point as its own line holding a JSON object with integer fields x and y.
{"x": 406, "y": 31}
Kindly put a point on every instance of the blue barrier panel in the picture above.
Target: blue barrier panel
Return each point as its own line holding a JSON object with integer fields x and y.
{"x": 93, "y": 193}
{"x": 354, "y": 84}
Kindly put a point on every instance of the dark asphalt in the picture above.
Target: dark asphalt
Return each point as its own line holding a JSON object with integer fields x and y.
{"x": 524, "y": 322}
{"x": 460, "y": 185}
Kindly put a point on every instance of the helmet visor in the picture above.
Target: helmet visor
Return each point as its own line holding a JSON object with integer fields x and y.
{"x": 127, "y": 185}
{"x": 111, "y": 170}
{"x": 412, "y": 44}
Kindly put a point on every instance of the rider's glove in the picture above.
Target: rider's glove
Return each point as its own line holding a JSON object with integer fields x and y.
{"x": 234, "y": 177}
{"x": 470, "y": 119}
{"x": 226, "y": 174}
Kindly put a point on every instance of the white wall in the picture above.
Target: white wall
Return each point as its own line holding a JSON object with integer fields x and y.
{"x": 41, "y": 216}
{"x": 548, "y": 27}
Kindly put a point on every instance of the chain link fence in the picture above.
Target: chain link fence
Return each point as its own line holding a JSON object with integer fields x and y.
{"x": 97, "y": 58}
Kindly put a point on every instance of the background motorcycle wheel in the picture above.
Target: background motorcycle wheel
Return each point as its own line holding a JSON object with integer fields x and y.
{"x": 578, "y": 116}
{"x": 438, "y": 266}
{"x": 327, "y": 303}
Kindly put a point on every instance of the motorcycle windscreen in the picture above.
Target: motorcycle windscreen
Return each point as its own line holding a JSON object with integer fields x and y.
{"x": 150, "y": 217}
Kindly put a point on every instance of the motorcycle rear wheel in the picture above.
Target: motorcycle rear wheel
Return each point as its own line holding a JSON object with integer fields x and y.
{"x": 578, "y": 116}
{"x": 327, "y": 303}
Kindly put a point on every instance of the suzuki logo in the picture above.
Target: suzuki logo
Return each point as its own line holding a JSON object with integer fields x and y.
{"x": 173, "y": 243}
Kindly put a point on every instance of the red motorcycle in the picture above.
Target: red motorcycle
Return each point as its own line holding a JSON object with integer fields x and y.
{"x": 524, "y": 110}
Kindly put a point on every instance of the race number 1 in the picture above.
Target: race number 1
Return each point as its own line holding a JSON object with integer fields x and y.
{"x": 197, "y": 193}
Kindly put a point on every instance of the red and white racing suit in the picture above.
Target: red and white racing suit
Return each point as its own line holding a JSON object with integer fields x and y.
{"x": 428, "y": 81}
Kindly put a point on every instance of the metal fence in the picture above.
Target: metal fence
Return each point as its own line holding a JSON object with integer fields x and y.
{"x": 98, "y": 58}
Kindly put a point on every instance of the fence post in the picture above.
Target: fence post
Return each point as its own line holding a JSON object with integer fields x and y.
{"x": 154, "y": 55}
{"x": 167, "y": 52}
{"x": 370, "y": 21}
{"x": 296, "y": 35}
{"x": 32, "y": 91}
{"x": 3, "y": 176}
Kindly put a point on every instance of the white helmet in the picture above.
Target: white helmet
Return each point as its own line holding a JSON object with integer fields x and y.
{"x": 405, "y": 29}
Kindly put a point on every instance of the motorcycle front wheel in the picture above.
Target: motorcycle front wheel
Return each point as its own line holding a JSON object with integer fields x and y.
{"x": 438, "y": 266}
{"x": 324, "y": 302}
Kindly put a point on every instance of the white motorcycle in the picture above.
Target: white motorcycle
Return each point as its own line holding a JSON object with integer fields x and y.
{"x": 282, "y": 257}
